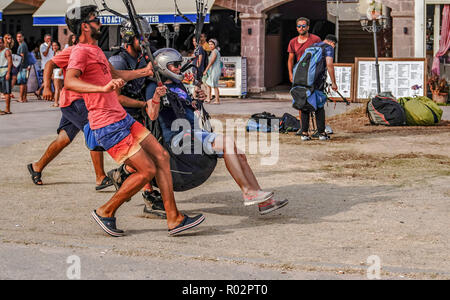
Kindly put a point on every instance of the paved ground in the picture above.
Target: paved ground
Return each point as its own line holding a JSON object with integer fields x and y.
{"x": 331, "y": 227}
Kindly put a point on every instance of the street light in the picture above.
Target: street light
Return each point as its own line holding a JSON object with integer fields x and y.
{"x": 167, "y": 34}
{"x": 375, "y": 24}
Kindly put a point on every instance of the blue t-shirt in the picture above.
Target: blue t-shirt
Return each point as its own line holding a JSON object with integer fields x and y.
{"x": 23, "y": 49}
{"x": 329, "y": 51}
{"x": 125, "y": 61}
{"x": 200, "y": 51}
{"x": 167, "y": 115}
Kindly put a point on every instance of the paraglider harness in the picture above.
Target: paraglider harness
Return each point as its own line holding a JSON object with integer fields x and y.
{"x": 189, "y": 170}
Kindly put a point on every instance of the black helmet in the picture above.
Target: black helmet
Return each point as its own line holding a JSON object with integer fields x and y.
{"x": 127, "y": 33}
{"x": 77, "y": 15}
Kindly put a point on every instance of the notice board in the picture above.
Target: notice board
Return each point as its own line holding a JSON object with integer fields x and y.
{"x": 403, "y": 77}
{"x": 345, "y": 81}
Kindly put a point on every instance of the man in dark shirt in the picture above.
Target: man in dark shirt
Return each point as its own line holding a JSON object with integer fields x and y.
{"x": 22, "y": 78}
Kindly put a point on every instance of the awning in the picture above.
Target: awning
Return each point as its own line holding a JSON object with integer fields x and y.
{"x": 3, "y": 5}
{"x": 52, "y": 12}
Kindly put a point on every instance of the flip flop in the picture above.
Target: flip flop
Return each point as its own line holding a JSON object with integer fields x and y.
{"x": 186, "y": 224}
{"x": 35, "y": 176}
{"x": 107, "y": 182}
{"x": 108, "y": 225}
{"x": 2, "y": 113}
{"x": 8, "y": 113}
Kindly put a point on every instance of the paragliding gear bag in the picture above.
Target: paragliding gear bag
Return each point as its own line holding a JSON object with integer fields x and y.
{"x": 385, "y": 111}
{"x": 263, "y": 122}
{"x": 309, "y": 74}
{"x": 189, "y": 170}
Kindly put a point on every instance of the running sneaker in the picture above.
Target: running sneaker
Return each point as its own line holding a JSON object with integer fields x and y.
{"x": 305, "y": 137}
{"x": 324, "y": 137}
{"x": 271, "y": 205}
{"x": 154, "y": 205}
{"x": 259, "y": 197}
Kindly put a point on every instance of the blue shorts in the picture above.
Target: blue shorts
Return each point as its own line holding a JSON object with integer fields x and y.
{"x": 22, "y": 77}
{"x": 5, "y": 85}
{"x": 122, "y": 139}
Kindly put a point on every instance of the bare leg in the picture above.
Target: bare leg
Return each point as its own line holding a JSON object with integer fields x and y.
{"x": 23, "y": 93}
{"x": 61, "y": 142}
{"x": 164, "y": 179}
{"x": 8, "y": 102}
{"x": 58, "y": 88}
{"x": 236, "y": 164}
{"x": 97, "y": 162}
{"x": 216, "y": 92}
{"x": 208, "y": 94}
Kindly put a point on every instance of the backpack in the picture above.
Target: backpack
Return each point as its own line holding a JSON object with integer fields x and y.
{"x": 289, "y": 123}
{"x": 421, "y": 111}
{"x": 309, "y": 74}
{"x": 385, "y": 111}
{"x": 263, "y": 122}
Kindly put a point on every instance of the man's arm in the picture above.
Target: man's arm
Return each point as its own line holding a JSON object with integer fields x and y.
{"x": 10, "y": 64}
{"x": 74, "y": 83}
{"x": 291, "y": 66}
{"x": 133, "y": 74}
{"x": 48, "y": 71}
{"x": 45, "y": 53}
{"x": 154, "y": 95}
{"x": 330, "y": 68}
{"x": 130, "y": 102}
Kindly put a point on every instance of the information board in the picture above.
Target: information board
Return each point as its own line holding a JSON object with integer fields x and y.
{"x": 344, "y": 79}
{"x": 403, "y": 77}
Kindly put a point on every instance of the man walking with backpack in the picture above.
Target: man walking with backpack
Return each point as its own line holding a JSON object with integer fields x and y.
{"x": 316, "y": 101}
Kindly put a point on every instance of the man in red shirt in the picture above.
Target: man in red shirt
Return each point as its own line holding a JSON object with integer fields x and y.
{"x": 126, "y": 140}
{"x": 74, "y": 118}
{"x": 299, "y": 44}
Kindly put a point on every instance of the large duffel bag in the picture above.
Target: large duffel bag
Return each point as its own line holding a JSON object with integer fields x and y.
{"x": 385, "y": 111}
{"x": 421, "y": 111}
{"x": 263, "y": 122}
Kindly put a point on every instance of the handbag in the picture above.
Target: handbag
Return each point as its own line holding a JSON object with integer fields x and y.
{"x": 17, "y": 60}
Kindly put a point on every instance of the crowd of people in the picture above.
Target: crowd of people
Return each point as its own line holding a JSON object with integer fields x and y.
{"x": 18, "y": 60}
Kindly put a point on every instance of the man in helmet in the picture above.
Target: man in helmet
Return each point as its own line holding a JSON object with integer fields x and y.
{"x": 132, "y": 98}
{"x": 168, "y": 62}
{"x": 126, "y": 140}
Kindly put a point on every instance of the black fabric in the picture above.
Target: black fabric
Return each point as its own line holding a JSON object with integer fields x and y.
{"x": 388, "y": 111}
{"x": 289, "y": 123}
{"x": 320, "y": 120}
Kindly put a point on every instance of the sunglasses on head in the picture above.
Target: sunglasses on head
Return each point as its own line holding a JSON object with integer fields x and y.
{"x": 302, "y": 26}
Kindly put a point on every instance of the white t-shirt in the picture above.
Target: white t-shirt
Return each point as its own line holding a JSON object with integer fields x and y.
{"x": 45, "y": 59}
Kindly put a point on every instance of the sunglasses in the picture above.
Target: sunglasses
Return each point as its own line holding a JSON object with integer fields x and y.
{"x": 94, "y": 20}
{"x": 176, "y": 64}
{"x": 302, "y": 26}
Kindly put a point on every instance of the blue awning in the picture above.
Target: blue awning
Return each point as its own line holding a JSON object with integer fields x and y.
{"x": 52, "y": 12}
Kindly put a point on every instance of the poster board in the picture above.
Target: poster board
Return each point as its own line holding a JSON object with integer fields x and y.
{"x": 345, "y": 81}
{"x": 403, "y": 77}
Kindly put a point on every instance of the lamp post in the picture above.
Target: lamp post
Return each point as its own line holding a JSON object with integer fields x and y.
{"x": 378, "y": 23}
{"x": 167, "y": 34}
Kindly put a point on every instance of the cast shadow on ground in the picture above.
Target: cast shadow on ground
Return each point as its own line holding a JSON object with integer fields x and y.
{"x": 308, "y": 204}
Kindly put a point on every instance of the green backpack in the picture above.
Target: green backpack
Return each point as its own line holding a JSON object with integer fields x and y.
{"x": 421, "y": 111}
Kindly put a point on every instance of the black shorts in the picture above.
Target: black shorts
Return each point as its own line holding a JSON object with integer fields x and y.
{"x": 74, "y": 118}
{"x": 5, "y": 85}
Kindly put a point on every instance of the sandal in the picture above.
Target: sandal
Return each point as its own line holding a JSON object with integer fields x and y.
{"x": 107, "y": 182}
{"x": 108, "y": 225}
{"x": 35, "y": 176}
{"x": 186, "y": 224}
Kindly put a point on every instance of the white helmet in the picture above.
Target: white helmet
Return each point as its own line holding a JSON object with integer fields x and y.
{"x": 164, "y": 57}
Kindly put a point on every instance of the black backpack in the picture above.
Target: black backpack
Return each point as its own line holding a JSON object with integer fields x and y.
{"x": 263, "y": 122}
{"x": 385, "y": 111}
{"x": 289, "y": 123}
